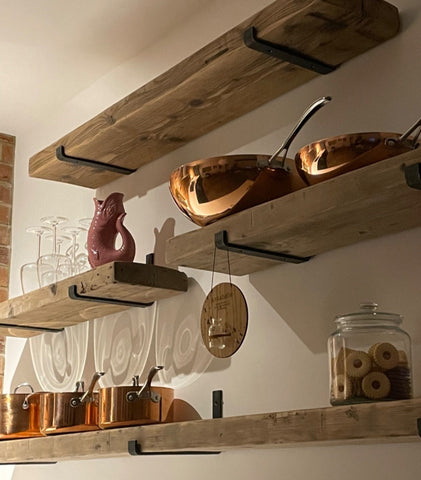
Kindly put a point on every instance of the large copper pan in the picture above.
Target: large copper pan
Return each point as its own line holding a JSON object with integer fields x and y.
{"x": 66, "y": 412}
{"x": 135, "y": 405}
{"x": 208, "y": 189}
{"x": 334, "y": 156}
{"x": 20, "y": 414}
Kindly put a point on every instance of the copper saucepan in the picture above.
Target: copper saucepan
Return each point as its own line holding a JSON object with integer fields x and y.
{"x": 330, "y": 157}
{"x": 20, "y": 414}
{"x": 76, "y": 411}
{"x": 135, "y": 404}
{"x": 209, "y": 189}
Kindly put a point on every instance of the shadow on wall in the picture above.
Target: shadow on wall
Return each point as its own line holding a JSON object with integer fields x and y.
{"x": 161, "y": 236}
{"x": 126, "y": 344}
{"x": 309, "y": 296}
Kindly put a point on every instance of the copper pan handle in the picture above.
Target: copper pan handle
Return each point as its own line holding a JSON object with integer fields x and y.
{"x": 309, "y": 112}
{"x": 88, "y": 395}
{"x": 145, "y": 391}
{"x": 411, "y": 129}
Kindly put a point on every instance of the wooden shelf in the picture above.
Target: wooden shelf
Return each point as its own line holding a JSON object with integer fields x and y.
{"x": 51, "y": 307}
{"x": 221, "y": 82}
{"x": 388, "y": 422}
{"x": 366, "y": 203}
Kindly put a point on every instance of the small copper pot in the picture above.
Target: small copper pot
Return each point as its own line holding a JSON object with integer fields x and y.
{"x": 134, "y": 404}
{"x": 334, "y": 156}
{"x": 71, "y": 411}
{"x": 20, "y": 414}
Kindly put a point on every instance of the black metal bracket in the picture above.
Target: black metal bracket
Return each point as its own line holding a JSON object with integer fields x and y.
{"x": 221, "y": 242}
{"x": 28, "y": 463}
{"x": 61, "y": 155}
{"x": 134, "y": 448}
{"x": 287, "y": 54}
{"x": 30, "y": 327}
{"x": 413, "y": 175}
{"x": 74, "y": 295}
{"x": 217, "y": 404}
{"x": 419, "y": 426}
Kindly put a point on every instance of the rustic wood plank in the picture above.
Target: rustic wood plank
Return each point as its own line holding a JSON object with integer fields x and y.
{"x": 51, "y": 306}
{"x": 387, "y": 422}
{"x": 218, "y": 83}
{"x": 359, "y": 205}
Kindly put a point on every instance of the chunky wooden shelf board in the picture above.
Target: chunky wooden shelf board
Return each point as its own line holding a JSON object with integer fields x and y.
{"x": 366, "y": 203}
{"x": 388, "y": 422}
{"x": 51, "y": 306}
{"x": 220, "y": 82}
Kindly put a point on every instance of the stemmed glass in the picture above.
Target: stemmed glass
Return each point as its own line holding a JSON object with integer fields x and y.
{"x": 54, "y": 266}
{"x": 29, "y": 271}
{"x": 71, "y": 252}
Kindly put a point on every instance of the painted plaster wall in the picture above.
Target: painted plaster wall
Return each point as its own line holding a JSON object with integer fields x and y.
{"x": 282, "y": 364}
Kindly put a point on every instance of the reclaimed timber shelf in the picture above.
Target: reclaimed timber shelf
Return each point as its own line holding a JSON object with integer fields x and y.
{"x": 51, "y": 307}
{"x": 367, "y": 203}
{"x": 220, "y": 82}
{"x": 387, "y": 422}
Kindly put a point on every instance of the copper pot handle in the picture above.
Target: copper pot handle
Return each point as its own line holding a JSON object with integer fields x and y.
{"x": 145, "y": 391}
{"x": 411, "y": 129}
{"x": 309, "y": 112}
{"x": 25, "y": 404}
{"x": 88, "y": 396}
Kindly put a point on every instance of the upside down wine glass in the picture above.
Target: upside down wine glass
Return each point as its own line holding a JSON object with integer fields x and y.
{"x": 54, "y": 266}
{"x": 29, "y": 271}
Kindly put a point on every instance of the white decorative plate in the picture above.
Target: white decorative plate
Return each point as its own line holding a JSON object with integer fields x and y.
{"x": 121, "y": 344}
{"x": 59, "y": 358}
{"x": 178, "y": 341}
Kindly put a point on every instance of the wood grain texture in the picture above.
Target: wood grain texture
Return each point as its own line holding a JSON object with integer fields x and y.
{"x": 388, "y": 422}
{"x": 218, "y": 83}
{"x": 366, "y": 203}
{"x": 51, "y": 306}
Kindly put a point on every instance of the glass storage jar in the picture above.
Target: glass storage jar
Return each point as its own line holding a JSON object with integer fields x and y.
{"x": 369, "y": 358}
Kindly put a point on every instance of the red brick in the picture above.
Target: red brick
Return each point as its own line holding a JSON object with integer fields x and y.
{"x": 5, "y": 138}
{"x": 6, "y": 173}
{"x": 5, "y": 235}
{"x": 5, "y": 215}
{"x": 4, "y": 282}
{"x": 2, "y": 344}
{"x": 4, "y": 255}
{"x": 6, "y": 194}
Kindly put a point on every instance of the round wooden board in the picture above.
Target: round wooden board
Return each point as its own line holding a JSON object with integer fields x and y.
{"x": 226, "y": 304}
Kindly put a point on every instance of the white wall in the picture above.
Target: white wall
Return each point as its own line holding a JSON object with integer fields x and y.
{"x": 291, "y": 307}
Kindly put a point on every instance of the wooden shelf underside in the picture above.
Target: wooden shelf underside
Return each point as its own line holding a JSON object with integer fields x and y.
{"x": 366, "y": 203}
{"x": 388, "y": 422}
{"x": 220, "y": 82}
{"x": 51, "y": 306}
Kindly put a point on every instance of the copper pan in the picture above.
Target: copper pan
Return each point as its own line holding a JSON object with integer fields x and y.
{"x": 334, "y": 156}
{"x": 135, "y": 405}
{"x": 20, "y": 414}
{"x": 66, "y": 412}
{"x": 208, "y": 189}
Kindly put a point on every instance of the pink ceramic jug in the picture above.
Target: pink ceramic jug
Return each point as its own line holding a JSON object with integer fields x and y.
{"x": 106, "y": 225}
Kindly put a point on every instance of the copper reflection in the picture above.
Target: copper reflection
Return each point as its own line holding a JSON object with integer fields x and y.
{"x": 330, "y": 157}
{"x": 206, "y": 190}
{"x": 17, "y": 421}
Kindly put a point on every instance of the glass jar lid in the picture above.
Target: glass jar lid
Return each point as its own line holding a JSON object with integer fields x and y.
{"x": 369, "y": 311}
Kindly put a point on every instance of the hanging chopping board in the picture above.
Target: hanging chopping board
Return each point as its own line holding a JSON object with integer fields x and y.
{"x": 224, "y": 320}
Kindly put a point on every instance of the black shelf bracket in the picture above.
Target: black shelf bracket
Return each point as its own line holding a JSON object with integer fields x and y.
{"x": 419, "y": 426}
{"x": 61, "y": 155}
{"x": 413, "y": 175}
{"x": 32, "y": 328}
{"x": 217, "y": 404}
{"x": 222, "y": 243}
{"x": 134, "y": 448}
{"x": 286, "y": 54}
{"x": 74, "y": 295}
{"x": 28, "y": 463}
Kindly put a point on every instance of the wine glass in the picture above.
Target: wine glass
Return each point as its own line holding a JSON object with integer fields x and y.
{"x": 54, "y": 266}
{"x": 74, "y": 231}
{"x": 29, "y": 271}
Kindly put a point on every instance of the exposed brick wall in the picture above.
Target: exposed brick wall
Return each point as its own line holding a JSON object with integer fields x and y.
{"x": 7, "y": 159}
